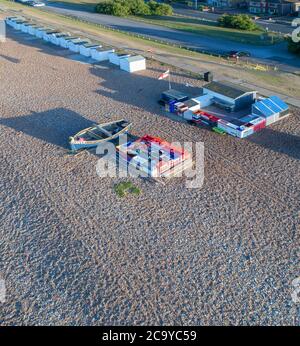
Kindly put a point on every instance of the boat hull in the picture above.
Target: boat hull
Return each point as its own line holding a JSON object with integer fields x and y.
{"x": 78, "y": 144}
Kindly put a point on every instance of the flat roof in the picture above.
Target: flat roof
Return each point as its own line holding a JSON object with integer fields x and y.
{"x": 190, "y": 103}
{"x": 44, "y": 28}
{"x": 76, "y": 42}
{"x": 104, "y": 49}
{"x": 91, "y": 44}
{"x": 51, "y": 32}
{"x": 228, "y": 89}
{"x": 13, "y": 17}
{"x": 62, "y": 34}
{"x": 68, "y": 38}
{"x": 172, "y": 93}
{"x": 135, "y": 58}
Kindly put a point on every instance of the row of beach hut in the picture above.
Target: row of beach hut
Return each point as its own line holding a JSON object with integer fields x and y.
{"x": 78, "y": 45}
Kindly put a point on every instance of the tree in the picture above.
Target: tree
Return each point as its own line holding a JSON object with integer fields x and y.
{"x": 120, "y": 9}
{"x": 116, "y": 8}
{"x": 160, "y": 9}
{"x": 138, "y": 7}
{"x": 293, "y": 47}
{"x": 133, "y": 7}
{"x": 238, "y": 21}
{"x": 152, "y": 6}
{"x": 105, "y": 7}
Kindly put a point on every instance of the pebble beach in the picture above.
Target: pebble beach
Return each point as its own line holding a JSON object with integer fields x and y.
{"x": 72, "y": 252}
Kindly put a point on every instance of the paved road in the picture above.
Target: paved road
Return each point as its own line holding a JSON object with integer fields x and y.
{"x": 276, "y": 53}
{"x": 270, "y": 25}
{"x": 275, "y": 27}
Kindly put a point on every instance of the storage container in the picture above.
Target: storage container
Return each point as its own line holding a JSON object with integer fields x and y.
{"x": 270, "y": 119}
{"x": 208, "y": 76}
{"x": 228, "y": 128}
{"x": 245, "y": 131}
{"x": 258, "y": 123}
{"x": 172, "y": 106}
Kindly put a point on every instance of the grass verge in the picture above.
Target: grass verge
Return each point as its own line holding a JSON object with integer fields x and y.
{"x": 208, "y": 29}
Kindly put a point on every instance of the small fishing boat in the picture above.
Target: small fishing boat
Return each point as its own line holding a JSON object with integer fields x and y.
{"x": 95, "y": 135}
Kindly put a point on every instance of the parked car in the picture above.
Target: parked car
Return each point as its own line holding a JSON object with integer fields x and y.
{"x": 238, "y": 54}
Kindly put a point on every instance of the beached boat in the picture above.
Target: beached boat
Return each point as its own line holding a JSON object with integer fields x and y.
{"x": 95, "y": 135}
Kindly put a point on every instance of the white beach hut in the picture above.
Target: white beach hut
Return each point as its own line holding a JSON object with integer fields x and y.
{"x": 133, "y": 63}
{"x": 55, "y": 38}
{"x": 25, "y": 26}
{"x": 47, "y": 35}
{"x": 101, "y": 53}
{"x": 86, "y": 48}
{"x": 41, "y": 31}
{"x": 11, "y": 20}
{"x": 64, "y": 41}
{"x": 38, "y": 31}
{"x": 115, "y": 58}
{"x": 18, "y": 24}
{"x": 32, "y": 29}
{"x": 74, "y": 45}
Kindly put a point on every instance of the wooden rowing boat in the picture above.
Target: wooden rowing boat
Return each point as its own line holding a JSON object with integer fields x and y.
{"x": 95, "y": 135}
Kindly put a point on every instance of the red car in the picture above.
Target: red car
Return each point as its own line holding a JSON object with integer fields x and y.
{"x": 238, "y": 54}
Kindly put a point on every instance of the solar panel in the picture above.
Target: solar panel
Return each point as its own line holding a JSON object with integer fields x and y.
{"x": 274, "y": 107}
{"x": 263, "y": 109}
{"x": 270, "y": 106}
{"x": 279, "y": 102}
